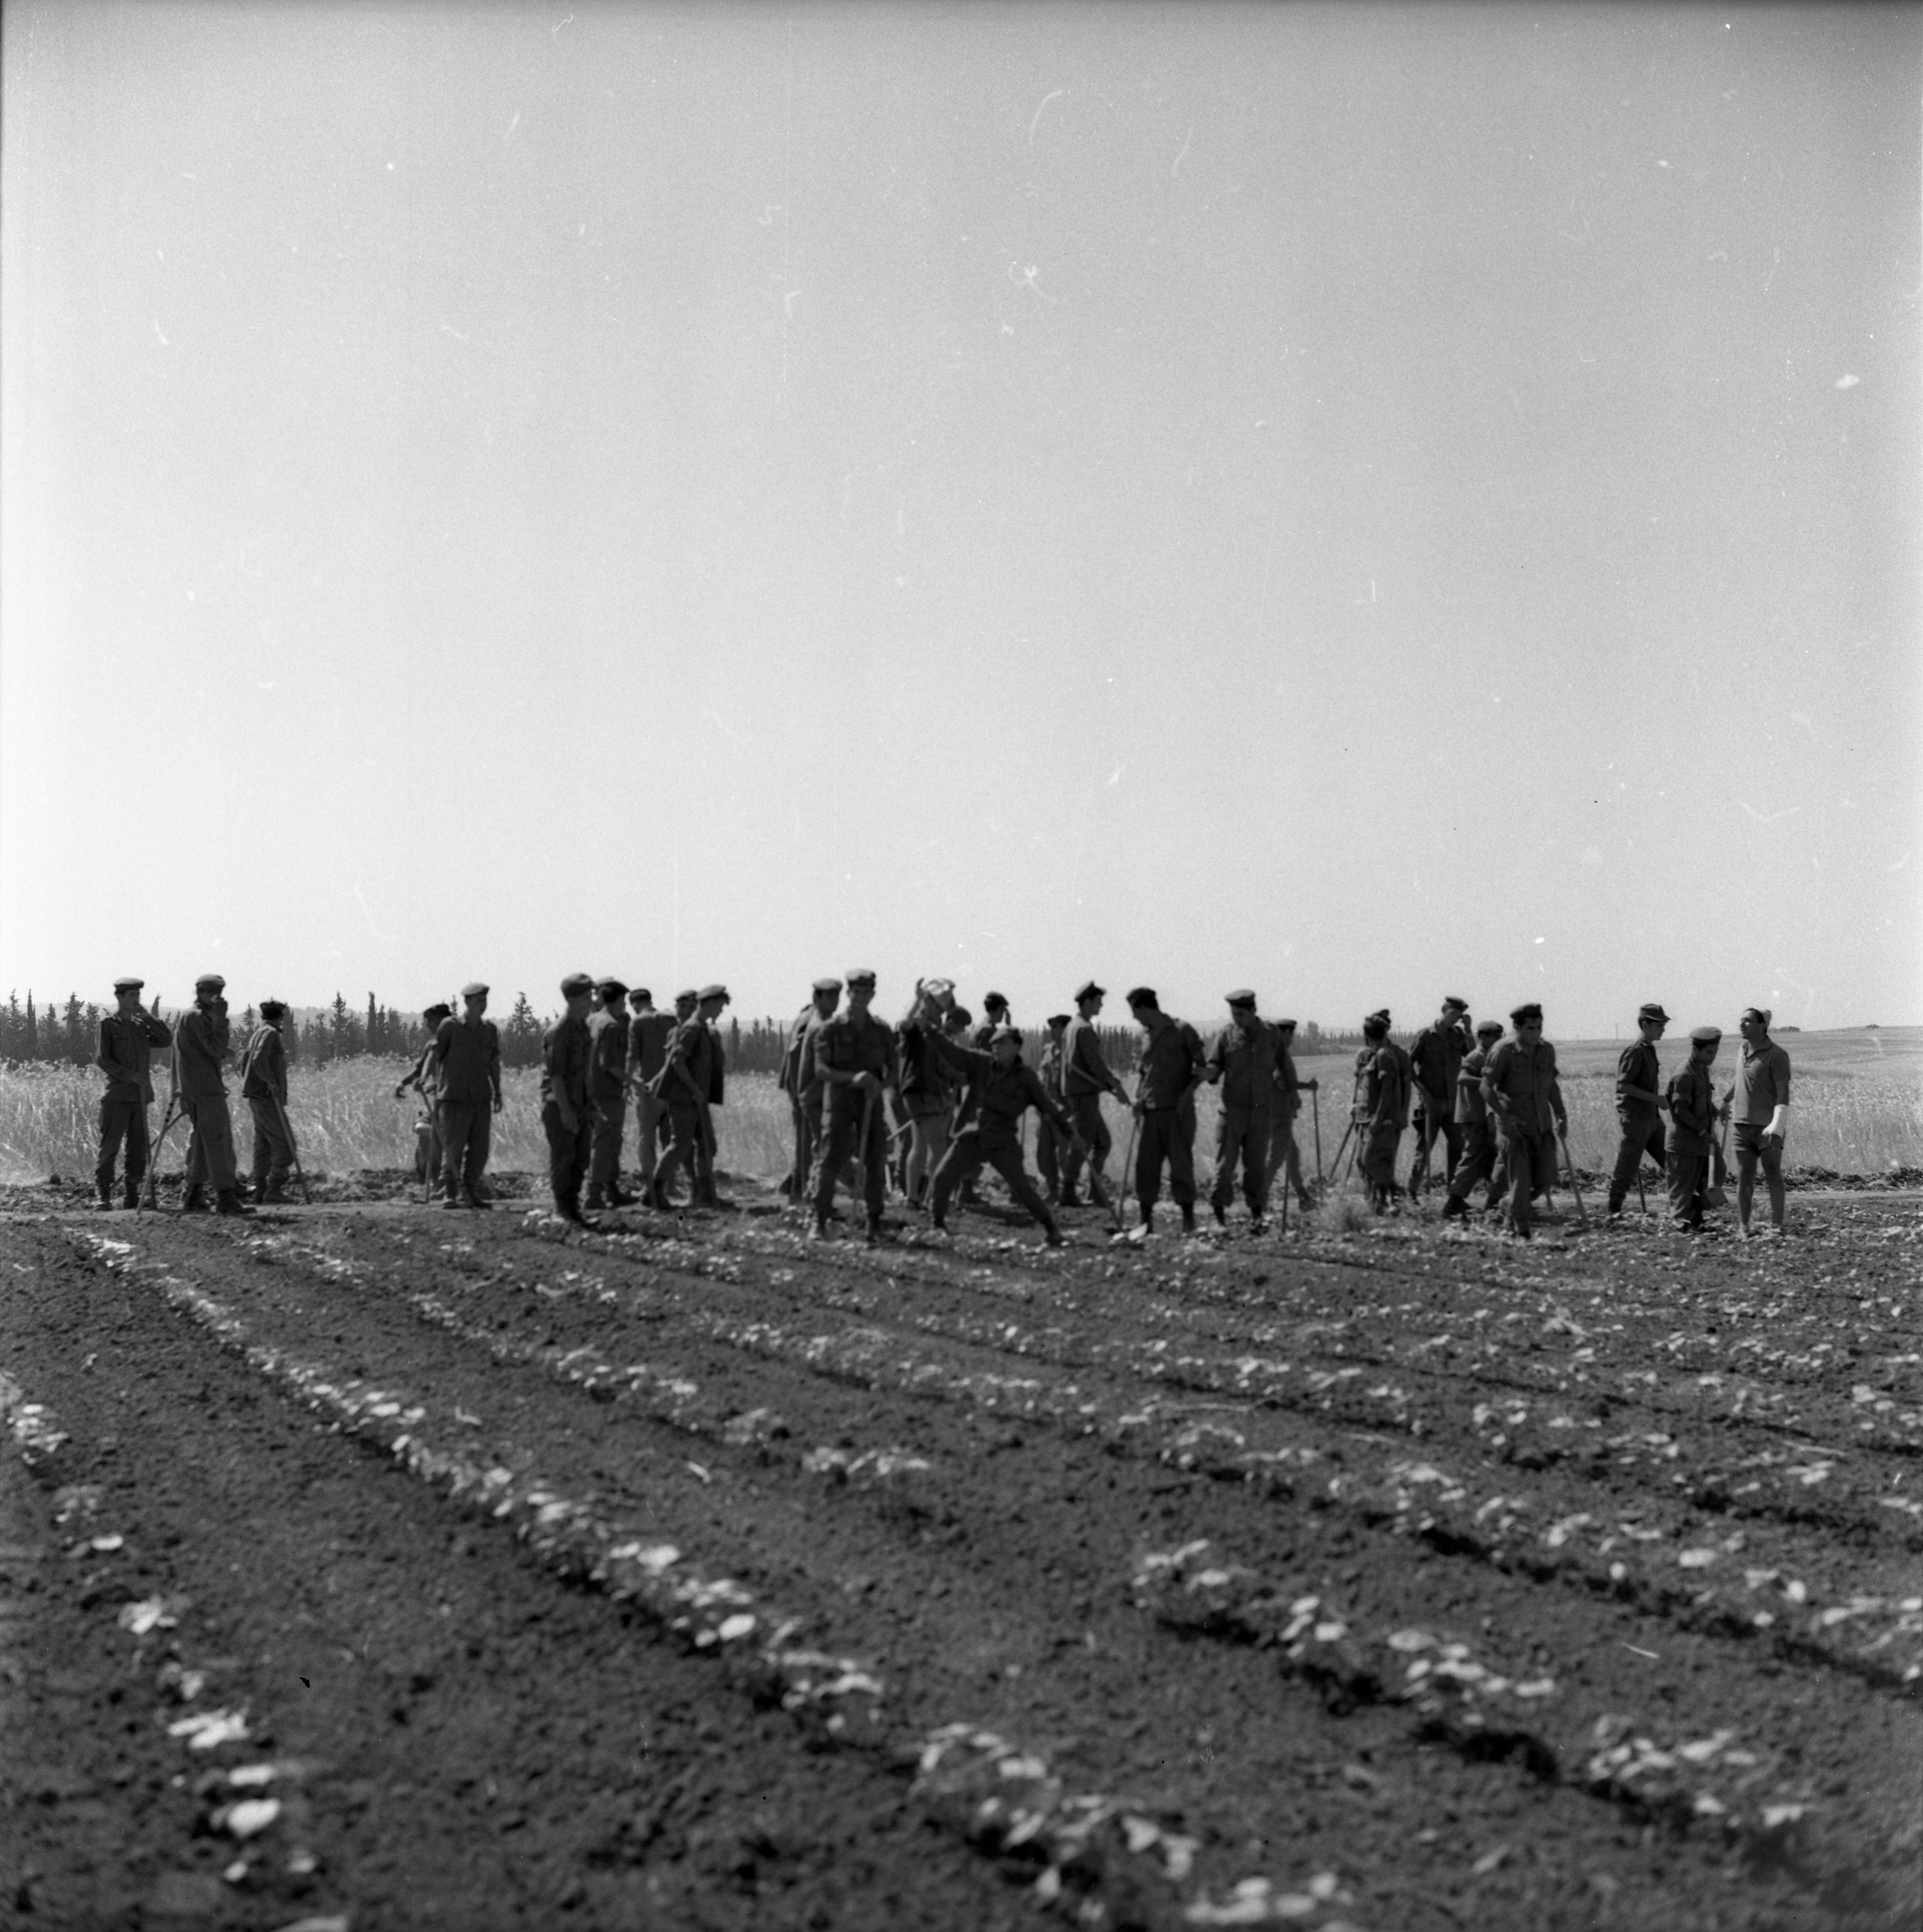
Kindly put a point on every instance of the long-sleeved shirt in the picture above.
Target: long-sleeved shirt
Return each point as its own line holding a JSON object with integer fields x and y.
{"x": 852, "y": 1042}
{"x": 789, "y": 1079}
{"x": 1522, "y": 1089}
{"x": 1382, "y": 1083}
{"x": 1172, "y": 1063}
{"x": 467, "y": 1061}
{"x": 199, "y": 1051}
{"x": 1288, "y": 1102}
{"x": 564, "y": 1063}
{"x": 126, "y": 1055}
{"x": 691, "y": 1076}
{"x": 1003, "y": 1095}
{"x": 607, "y": 1055}
{"x": 1084, "y": 1069}
{"x": 1637, "y": 1065}
{"x": 1761, "y": 1083}
{"x": 927, "y": 1079}
{"x": 1436, "y": 1059}
{"x": 264, "y": 1066}
{"x": 1247, "y": 1064}
{"x": 1692, "y": 1095}
{"x": 648, "y": 1034}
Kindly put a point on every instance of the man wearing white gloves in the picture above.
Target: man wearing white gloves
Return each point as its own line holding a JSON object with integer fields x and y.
{"x": 1761, "y": 1099}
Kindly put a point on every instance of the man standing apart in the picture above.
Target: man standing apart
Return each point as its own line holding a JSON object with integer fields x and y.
{"x": 1761, "y": 1098}
{"x": 1639, "y": 1102}
{"x": 466, "y": 1070}
{"x": 200, "y": 1048}
{"x": 128, "y": 1038}
{"x": 799, "y": 1082}
{"x": 1382, "y": 1082}
{"x": 1086, "y": 1077}
{"x": 565, "y": 1117}
{"x": 854, "y": 1060}
{"x": 648, "y": 1032}
{"x": 607, "y": 1093}
{"x": 1520, "y": 1088}
{"x": 1434, "y": 1061}
{"x": 1692, "y": 1103}
{"x": 1285, "y": 1157}
{"x": 1244, "y": 1056}
{"x": 1172, "y": 1068}
{"x": 1049, "y": 1143}
{"x": 1472, "y": 1122}
{"x": 264, "y": 1088}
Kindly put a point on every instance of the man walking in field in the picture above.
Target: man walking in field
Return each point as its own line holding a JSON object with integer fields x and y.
{"x": 1691, "y": 1095}
{"x": 565, "y": 1115}
{"x": 1172, "y": 1067}
{"x": 1285, "y": 1157}
{"x": 854, "y": 1060}
{"x": 1049, "y": 1143}
{"x": 1245, "y": 1057}
{"x": 1760, "y": 1099}
{"x": 264, "y": 1088}
{"x": 1520, "y": 1088}
{"x": 128, "y": 1037}
{"x": 200, "y": 1052}
{"x": 1472, "y": 1121}
{"x": 466, "y": 1071}
{"x": 1382, "y": 1083}
{"x": 799, "y": 1082}
{"x": 1638, "y": 1104}
{"x": 1434, "y": 1061}
{"x": 607, "y": 1093}
{"x": 648, "y": 1034}
{"x": 1086, "y": 1077}
{"x": 426, "y": 1129}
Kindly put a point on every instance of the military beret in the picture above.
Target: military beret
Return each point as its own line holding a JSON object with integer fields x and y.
{"x": 1529, "y": 1010}
{"x": 994, "y": 1002}
{"x": 473, "y": 986}
{"x": 1488, "y": 1030}
{"x": 214, "y": 979}
{"x": 128, "y": 985}
{"x": 1088, "y": 990}
{"x": 436, "y": 1011}
{"x": 1456, "y": 1000}
{"x": 1241, "y": 996}
{"x": 1058, "y": 1019}
{"x": 575, "y": 985}
{"x": 611, "y": 990}
{"x": 861, "y": 976}
{"x": 1002, "y": 1032}
{"x": 1650, "y": 1010}
{"x": 827, "y": 983}
{"x": 1141, "y": 996}
{"x": 717, "y": 991}
{"x": 688, "y": 996}
{"x": 641, "y": 994}
{"x": 1703, "y": 1035}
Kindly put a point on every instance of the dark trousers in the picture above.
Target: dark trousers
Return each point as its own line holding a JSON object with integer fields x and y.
{"x": 611, "y": 1119}
{"x": 1532, "y": 1163}
{"x": 1167, "y": 1134}
{"x": 1085, "y": 1110}
{"x": 1376, "y": 1158}
{"x": 1753, "y": 1147}
{"x": 1641, "y": 1133}
{"x": 650, "y": 1118}
{"x": 1241, "y": 1134}
{"x": 1477, "y": 1163}
{"x": 567, "y": 1149}
{"x": 967, "y": 1157}
{"x": 1433, "y": 1123}
{"x": 210, "y": 1153}
{"x": 1049, "y": 1148}
{"x": 122, "y": 1119}
{"x": 842, "y": 1141}
{"x": 1689, "y": 1181}
{"x": 687, "y": 1149}
{"x": 1285, "y": 1157}
{"x": 467, "y": 1133}
{"x": 273, "y": 1146}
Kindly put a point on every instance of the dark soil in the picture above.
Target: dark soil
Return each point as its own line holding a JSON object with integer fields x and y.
{"x": 1391, "y": 1578}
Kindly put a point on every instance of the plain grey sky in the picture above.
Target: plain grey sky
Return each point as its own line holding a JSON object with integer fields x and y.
{"x": 1362, "y": 502}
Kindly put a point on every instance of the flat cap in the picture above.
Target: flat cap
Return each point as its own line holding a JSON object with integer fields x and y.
{"x": 827, "y": 983}
{"x": 128, "y": 984}
{"x": 1488, "y": 1030}
{"x": 576, "y": 984}
{"x": 642, "y": 994}
{"x": 1650, "y": 1010}
{"x": 1703, "y": 1035}
{"x": 1142, "y": 996}
{"x": 216, "y": 980}
{"x": 611, "y": 990}
{"x": 1456, "y": 1000}
{"x": 1530, "y": 1009}
{"x": 1284, "y": 1026}
{"x": 1002, "y": 1032}
{"x": 1241, "y": 996}
{"x": 688, "y": 996}
{"x": 860, "y": 976}
{"x": 474, "y": 986}
{"x": 1088, "y": 990}
{"x": 716, "y": 991}
{"x": 1058, "y": 1019}
{"x": 995, "y": 1003}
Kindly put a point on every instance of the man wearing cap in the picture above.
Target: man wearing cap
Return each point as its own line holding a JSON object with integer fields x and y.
{"x": 565, "y": 1116}
{"x": 426, "y": 1129}
{"x": 264, "y": 1087}
{"x": 128, "y": 1035}
{"x": 648, "y": 1034}
{"x": 691, "y": 1083}
{"x": 1244, "y": 1057}
{"x": 200, "y": 1050}
{"x": 928, "y": 1084}
{"x": 1639, "y": 1102}
{"x": 799, "y": 1082}
{"x": 466, "y": 1071}
{"x": 1172, "y": 1067}
{"x": 1435, "y": 1059}
{"x": 1380, "y": 1108}
{"x": 854, "y": 1060}
{"x": 1049, "y": 1143}
{"x": 1520, "y": 1087}
{"x": 1005, "y": 1088}
{"x": 1691, "y": 1095}
{"x": 607, "y": 1093}
{"x": 1759, "y": 1097}
{"x": 1086, "y": 1077}
{"x": 995, "y": 1009}
{"x": 1285, "y": 1157}
{"x": 1479, "y": 1152}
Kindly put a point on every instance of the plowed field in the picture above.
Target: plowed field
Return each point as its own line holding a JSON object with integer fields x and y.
{"x": 417, "y": 1569}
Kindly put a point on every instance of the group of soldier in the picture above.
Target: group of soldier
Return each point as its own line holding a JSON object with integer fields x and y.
{"x": 934, "y": 1098}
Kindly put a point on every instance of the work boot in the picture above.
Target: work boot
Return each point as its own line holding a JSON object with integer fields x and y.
{"x": 131, "y": 1198}
{"x": 473, "y": 1198}
{"x": 620, "y": 1198}
{"x": 597, "y": 1200}
{"x": 194, "y": 1201}
{"x": 872, "y": 1237}
{"x": 228, "y": 1202}
{"x": 1069, "y": 1199}
{"x": 1189, "y": 1221}
{"x": 820, "y": 1231}
{"x": 273, "y": 1193}
{"x": 1051, "y": 1234}
{"x": 103, "y": 1194}
{"x": 1221, "y": 1217}
{"x": 1455, "y": 1208}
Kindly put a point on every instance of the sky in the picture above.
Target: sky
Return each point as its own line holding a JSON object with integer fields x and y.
{"x": 1358, "y": 501}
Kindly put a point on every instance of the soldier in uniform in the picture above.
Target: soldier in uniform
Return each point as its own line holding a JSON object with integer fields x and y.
{"x": 264, "y": 1088}
{"x": 1382, "y": 1082}
{"x": 1520, "y": 1088}
{"x": 565, "y": 1118}
{"x": 1172, "y": 1069}
{"x": 426, "y": 1129}
{"x": 1472, "y": 1122}
{"x": 1691, "y": 1095}
{"x": 200, "y": 1050}
{"x": 1638, "y": 1104}
{"x": 466, "y": 1073}
{"x": 1284, "y": 1156}
{"x": 1759, "y": 1097}
{"x": 128, "y": 1035}
{"x": 798, "y": 1081}
{"x": 854, "y": 1060}
{"x": 690, "y": 1083}
{"x": 1434, "y": 1061}
{"x": 1244, "y": 1056}
{"x": 1005, "y": 1088}
{"x": 1086, "y": 1077}
{"x": 648, "y": 1032}
{"x": 607, "y": 1093}
{"x": 994, "y": 1009}
{"x": 927, "y": 1082}
{"x": 1049, "y": 1144}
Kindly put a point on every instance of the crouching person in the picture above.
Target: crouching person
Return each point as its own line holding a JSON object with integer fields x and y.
{"x": 264, "y": 1088}
{"x": 1692, "y": 1098}
{"x": 1005, "y": 1088}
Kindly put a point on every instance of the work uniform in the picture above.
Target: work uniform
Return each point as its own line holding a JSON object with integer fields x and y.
{"x": 648, "y": 1035}
{"x": 607, "y": 1099}
{"x": 1531, "y": 1115}
{"x": 1284, "y": 1110}
{"x": 1762, "y": 1085}
{"x": 1641, "y": 1121}
{"x": 200, "y": 1047}
{"x": 852, "y": 1042}
{"x": 125, "y": 1056}
{"x": 1085, "y": 1078}
{"x": 1692, "y": 1098}
{"x": 1172, "y": 1064}
{"x": 1435, "y": 1060}
{"x": 1246, "y": 1065}
{"x": 690, "y": 1085}
{"x": 1477, "y": 1129}
{"x": 428, "y": 1129}
{"x": 467, "y": 1073}
{"x": 993, "y": 1138}
{"x": 1382, "y": 1083}
{"x": 1050, "y": 1142}
{"x": 564, "y": 1073}
{"x": 264, "y": 1088}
